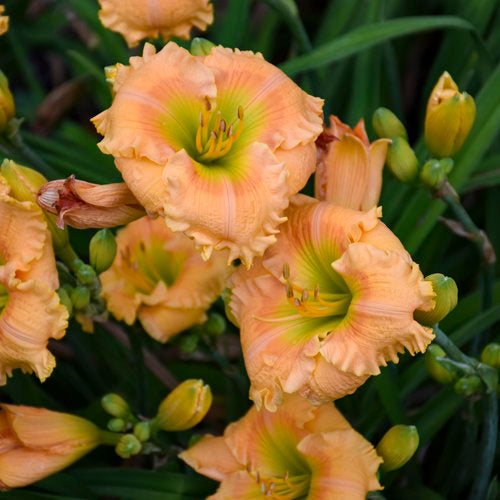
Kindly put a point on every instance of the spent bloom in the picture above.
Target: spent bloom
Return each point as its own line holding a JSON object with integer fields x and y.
{"x": 301, "y": 451}
{"x": 159, "y": 278}
{"x": 349, "y": 172}
{"x": 138, "y": 19}
{"x": 30, "y": 311}
{"x": 327, "y": 305}
{"x": 216, "y": 144}
{"x": 36, "y": 442}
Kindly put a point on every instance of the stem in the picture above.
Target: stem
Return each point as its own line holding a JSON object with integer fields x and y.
{"x": 137, "y": 351}
{"x": 109, "y": 438}
{"x": 452, "y": 350}
{"x": 487, "y": 447}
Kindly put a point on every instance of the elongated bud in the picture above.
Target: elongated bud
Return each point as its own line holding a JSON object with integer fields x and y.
{"x": 445, "y": 300}
{"x": 201, "y": 47}
{"x": 189, "y": 342}
{"x": 102, "y": 250}
{"x": 65, "y": 300}
{"x": 397, "y": 446}
{"x": 215, "y": 325}
{"x": 439, "y": 372}
{"x": 491, "y": 355}
{"x": 7, "y": 106}
{"x": 387, "y": 124}
{"x": 434, "y": 172}
{"x": 449, "y": 117}
{"x": 116, "y": 425}
{"x": 185, "y": 406}
{"x": 127, "y": 446}
{"x": 401, "y": 160}
{"x": 468, "y": 386}
{"x": 142, "y": 431}
{"x": 80, "y": 296}
{"x": 115, "y": 405}
{"x": 86, "y": 274}
{"x": 24, "y": 184}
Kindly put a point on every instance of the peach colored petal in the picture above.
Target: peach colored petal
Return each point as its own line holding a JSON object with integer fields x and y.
{"x": 138, "y": 19}
{"x": 343, "y": 463}
{"x": 219, "y": 211}
{"x": 287, "y": 115}
{"x": 85, "y": 205}
{"x": 327, "y": 418}
{"x": 238, "y": 486}
{"x": 148, "y": 108}
{"x": 379, "y": 324}
{"x": 211, "y": 457}
{"x": 376, "y": 154}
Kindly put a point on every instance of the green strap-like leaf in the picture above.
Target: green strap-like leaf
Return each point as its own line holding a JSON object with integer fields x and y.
{"x": 369, "y": 35}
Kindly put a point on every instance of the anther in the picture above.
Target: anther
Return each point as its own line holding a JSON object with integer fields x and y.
{"x": 222, "y": 125}
{"x": 305, "y": 295}
{"x": 289, "y": 291}
{"x": 316, "y": 291}
{"x": 240, "y": 112}
{"x": 297, "y": 302}
{"x": 286, "y": 270}
{"x": 207, "y": 103}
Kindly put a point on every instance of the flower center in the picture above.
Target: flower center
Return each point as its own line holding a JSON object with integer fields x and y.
{"x": 288, "y": 487}
{"x": 214, "y": 137}
{"x": 315, "y": 303}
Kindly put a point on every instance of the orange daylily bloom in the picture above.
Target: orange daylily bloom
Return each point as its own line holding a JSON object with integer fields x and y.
{"x": 30, "y": 311}
{"x": 327, "y": 305}
{"x": 36, "y": 442}
{"x": 216, "y": 144}
{"x": 138, "y": 19}
{"x": 301, "y": 451}
{"x": 84, "y": 205}
{"x": 4, "y": 21}
{"x": 159, "y": 278}
{"x": 349, "y": 172}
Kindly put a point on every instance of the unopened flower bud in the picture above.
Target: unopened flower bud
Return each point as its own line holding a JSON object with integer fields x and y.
{"x": 439, "y": 372}
{"x": 142, "y": 431}
{"x": 65, "y": 300}
{"x": 397, "y": 446}
{"x": 387, "y": 124}
{"x": 102, "y": 250}
{"x": 445, "y": 300}
{"x": 201, "y": 46}
{"x": 491, "y": 355}
{"x": 215, "y": 324}
{"x": 80, "y": 296}
{"x": 85, "y": 274}
{"x": 189, "y": 342}
{"x": 468, "y": 386}
{"x": 401, "y": 160}
{"x": 127, "y": 446}
{"x": 449, "y": 117}
{"x": 7, "y": 106}
{"x": 117, "y": 424}
{"x": 115, "y": 405}
{"x": 434, "y": 172}
{"x": 185, "y": 406}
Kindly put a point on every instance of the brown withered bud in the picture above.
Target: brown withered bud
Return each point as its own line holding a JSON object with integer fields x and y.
{"x": 85, "y": 205}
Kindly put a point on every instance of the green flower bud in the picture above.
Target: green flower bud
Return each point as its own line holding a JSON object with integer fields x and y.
{"x": 201, "y": 47}
{"x": 7, "y": 106}
{"x": 468, "y": 386}
{"x": 142, "y": 431}
{"x": 189, "y": 342}
{"x": 127, "y": 446}
{"x": 85, "y": 274}
{"x": 102, "y": 250}
{"x": 185, "y": 406}
{"x": 215, "y": 325}
{"x": 435, "y": 172}
{"x": 80, "y": 296}
{"x": 115, "y": 405}
{"x": 445, "y": 300}
{"x": 387, "y": 124}
{"x": 401, "y": 160}
{"x": 439, "y": 372}
{"x": 491, "y": 355}
{"x": 117, "y": 425}
{"x": 397, "y": 446}
{"x": 65, "y": 300}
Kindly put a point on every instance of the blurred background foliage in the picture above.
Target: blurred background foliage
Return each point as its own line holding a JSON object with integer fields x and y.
{"x": 357, "y": 55}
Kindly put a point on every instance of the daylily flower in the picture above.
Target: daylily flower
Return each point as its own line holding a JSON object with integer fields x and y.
{"x": 36, "y": 442}
{"x": 327, "y": 305}
{"x": 30, "y": 311}
{"x": 217, "y": 144}
{"x": 301, "y": 451}
{"x": 4, "y": 21}
{"x": 138, "y": 19}
{"x": 349, "y": 170}
{"x": 159, "y": 278}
